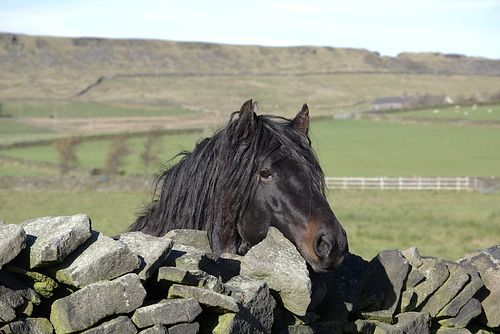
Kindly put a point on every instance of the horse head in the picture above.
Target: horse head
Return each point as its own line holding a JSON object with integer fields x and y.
{"x": 288, "y": 191}
{"x": 257, "y": 172}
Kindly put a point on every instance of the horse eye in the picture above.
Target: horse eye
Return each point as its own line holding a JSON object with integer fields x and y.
{"x": 265, "y": 174}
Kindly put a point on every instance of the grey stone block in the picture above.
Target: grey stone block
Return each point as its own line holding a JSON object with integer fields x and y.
{"x": 12, "y": 242}
{"x": 414, "y": 322}
{"x": 167, "y": 312}
{"x": 119, "y": 325}
{"x": 51, "y": 239}
{"x": 170, "y": 275}
{"x": 487, "y": 263}
{"x": 16, "y": 298}
{"x": 188, "y": 257}
{"x": 449, "y": 290}
{"x": 86, "y": 307}
{"x": 99, "y": 258}
{"x": 212, "y": 301}
{"x": 188, "y": 328}
{"x": 276, "y": 260}
{"x": 471, "y": 310}
{"x": 28, "y": 326}
{"x": 41, "y": 283}
{"x": 193, "y": 238}
{"x": 436, "y": 273}
{"x": 157, "y": 329}
{"x": 258, "y": 304}
{"x": 152, "y": 251}
{"x": 392, "y": 269}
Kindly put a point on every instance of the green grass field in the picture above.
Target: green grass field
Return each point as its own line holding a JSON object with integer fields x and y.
{"x": 344, "y": 147}
{"x": 465, "y": 112}
{"x": 73, "y": 109}
{"x": 441, "y": 224}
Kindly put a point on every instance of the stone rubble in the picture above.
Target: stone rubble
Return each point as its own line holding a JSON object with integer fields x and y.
{"x": 57, "y": 275}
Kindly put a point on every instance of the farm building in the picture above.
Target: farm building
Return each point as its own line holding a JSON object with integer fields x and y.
{"x": 401, "y": 102}
{"x": 392, "y": 102}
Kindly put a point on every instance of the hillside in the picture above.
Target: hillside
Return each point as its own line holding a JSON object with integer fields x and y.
{"x": 144, "y": 71}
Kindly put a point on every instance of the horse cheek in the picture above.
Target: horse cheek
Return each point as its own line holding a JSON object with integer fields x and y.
{"x": 254, "y": 224}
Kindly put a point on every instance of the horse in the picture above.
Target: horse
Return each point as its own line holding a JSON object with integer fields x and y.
{"x": 257, "y": 171}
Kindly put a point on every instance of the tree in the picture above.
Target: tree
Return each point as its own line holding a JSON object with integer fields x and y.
{"x": 66, "y": 153}
{"x": 117, "y": 152}
{"x": 152, "y": 147}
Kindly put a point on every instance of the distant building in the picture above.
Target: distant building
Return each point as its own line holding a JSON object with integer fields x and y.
{"x": 401, "y": 102}
{"x": 392, "y": 102}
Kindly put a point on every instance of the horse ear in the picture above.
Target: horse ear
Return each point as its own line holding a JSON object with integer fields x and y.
{"x": 301, "y": 121}
{"x": 247, "y": 119}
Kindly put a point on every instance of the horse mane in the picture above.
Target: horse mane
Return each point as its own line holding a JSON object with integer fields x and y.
{"x": 210, "y": 187}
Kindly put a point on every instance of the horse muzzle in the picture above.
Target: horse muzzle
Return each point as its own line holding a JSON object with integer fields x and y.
{"x": 327, "y": 250}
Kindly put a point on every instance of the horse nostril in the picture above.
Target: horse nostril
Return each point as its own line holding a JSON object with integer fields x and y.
{"x": 322, "y": 246}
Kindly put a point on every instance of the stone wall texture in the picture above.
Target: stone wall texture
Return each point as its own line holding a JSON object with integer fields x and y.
{"x": 57, "y": 275}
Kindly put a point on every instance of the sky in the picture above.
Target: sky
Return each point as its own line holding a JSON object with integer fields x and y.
{"x": 468, "y": 27}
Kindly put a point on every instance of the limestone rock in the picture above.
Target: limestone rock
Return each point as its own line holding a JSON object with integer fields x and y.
{"x": 187, "y": 328}
{"x": 188, "y": 257}
{"x": 152, "y": 251}
{"x": 99, "y": 258}
{"x": 156, "y": 329}
{"x": 297, "y": 329}
{"x": 12, "y": 242}
{"x": 15, "y": 297}
{"x": 170, "y": 275}
{"x": 344, "y": 289}
{"x": 475, "y": 283}
{"x": 212, "y": 301}
{"x": 368, "y": 326}
{"x": 392, "y": 269}
{"x": 258, "y": 304}
{"x": 276, "y": 260}
{"x": 449, "y": 330}
{"x": 167, "y": 312}
{"x": 487, "y": 263}
{"x": 121, "y": 325}
{"x": 51, "y": 239}
{"x": 96, "y": 301}
{"x": 414, "y": 323}
{"x": 28, "y": 326}
{"x": 471, "y": 310}
{"x": 41, "y": 283}
{"x": 436, "y": 273}
{"x": 414, "y": 278}
{"x": 194, "y": 238}
{"x": 446, "y": 292}
{"x": 413, "y": 256}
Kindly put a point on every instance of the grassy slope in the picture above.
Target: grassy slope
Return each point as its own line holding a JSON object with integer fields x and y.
{"x": 213, "y": 77}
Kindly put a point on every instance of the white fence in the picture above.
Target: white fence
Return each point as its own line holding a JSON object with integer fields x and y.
{"x": 403, "y": 183}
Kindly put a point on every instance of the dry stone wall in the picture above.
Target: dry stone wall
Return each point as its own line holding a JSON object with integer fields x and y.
{"x": 57, "y": 275}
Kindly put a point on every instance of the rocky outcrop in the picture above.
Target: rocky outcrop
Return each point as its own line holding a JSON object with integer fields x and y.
{"x": 58, "y": 275}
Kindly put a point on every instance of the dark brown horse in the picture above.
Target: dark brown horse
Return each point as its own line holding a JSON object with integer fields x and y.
{"x": 256, "y": 172}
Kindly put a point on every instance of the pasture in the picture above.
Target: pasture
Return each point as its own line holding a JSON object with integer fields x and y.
{"x": 345, "y": 148}
{"x": 441, "y": 224}
{"x": 472, "y": 112}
